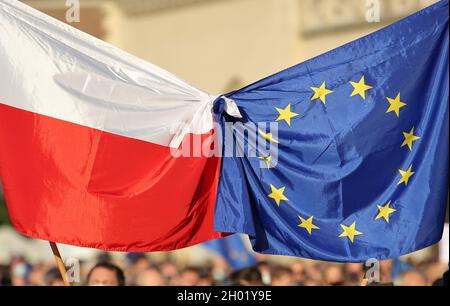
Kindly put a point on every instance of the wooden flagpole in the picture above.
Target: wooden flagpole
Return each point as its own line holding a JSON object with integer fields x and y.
{"x": 59, "y": 263}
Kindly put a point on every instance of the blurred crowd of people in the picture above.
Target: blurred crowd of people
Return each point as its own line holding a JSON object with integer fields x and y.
{"x": 137, "y": 269}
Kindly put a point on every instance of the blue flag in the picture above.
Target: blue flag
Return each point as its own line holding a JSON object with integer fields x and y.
{"x": 233, "y": 250}
{"x": 360, "y": 168}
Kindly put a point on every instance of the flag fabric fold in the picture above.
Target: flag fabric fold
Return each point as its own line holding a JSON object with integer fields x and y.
{"x": 361, "y": 155}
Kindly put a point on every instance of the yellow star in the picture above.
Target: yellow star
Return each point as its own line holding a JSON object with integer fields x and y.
{"x": 321, "y": 93}
{"x": 350, "y": 231}
{"x": 278, "y": 194}
{"x": 395, "y": 105}
{"x": 406, "y": 175}
{"x": 360, "y": 88}
{"x": 286, "y": 114}
{"x": 308, "y": 224}
{"x": 385, "y": 211}
{"x": 409, "y": 139}
{"x": 268, "y": 136}
{"x": 267, "y": 160}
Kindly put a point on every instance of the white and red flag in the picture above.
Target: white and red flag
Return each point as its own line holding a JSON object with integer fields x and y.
{"x": 88, "y": 135}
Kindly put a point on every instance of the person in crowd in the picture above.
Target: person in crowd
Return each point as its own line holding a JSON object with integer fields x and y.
{"x": 282, "y": 276}
{"x": 169, "y": 270}
{"x": 151, "y": 277}
{"x": 333, "y": 275}
{"x": 386, "y": 267}
{"x": 354, "y": 273}
{"x": 434, "y": 271}
{"x": 136, "y": 263}
{"x": 37, "y": 275}
{"x": 313, "y": 273}
{"x": 19, "y": 271}
{"x": 443, "y": 281}
{"x": 53, "y": 278}
{"x": 412, "y": 278}
{"x": 189, "y": 276}
{"x": 298, "y": 272}
{"x": 105, "y": 274}
{"x": 206, "y": 278}
{"x": 139, "y": 261}
{"x": 4, "y": 276}
{"x": 247, "y": 277}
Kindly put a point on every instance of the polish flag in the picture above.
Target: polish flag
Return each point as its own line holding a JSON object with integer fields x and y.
{"x": 89, "y": 137}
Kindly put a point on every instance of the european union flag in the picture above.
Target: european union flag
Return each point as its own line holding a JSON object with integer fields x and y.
{"x": 360, "y": 168}
{"x": 233, "y": 250}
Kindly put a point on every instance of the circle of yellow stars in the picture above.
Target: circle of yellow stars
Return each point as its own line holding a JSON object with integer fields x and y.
{"x": 360, "y": 88}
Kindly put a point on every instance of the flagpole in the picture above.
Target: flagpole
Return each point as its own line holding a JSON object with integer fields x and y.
{"x": 59, "y": 263}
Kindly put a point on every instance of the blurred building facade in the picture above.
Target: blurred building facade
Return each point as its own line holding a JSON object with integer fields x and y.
{"x": 221, "y": 45}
